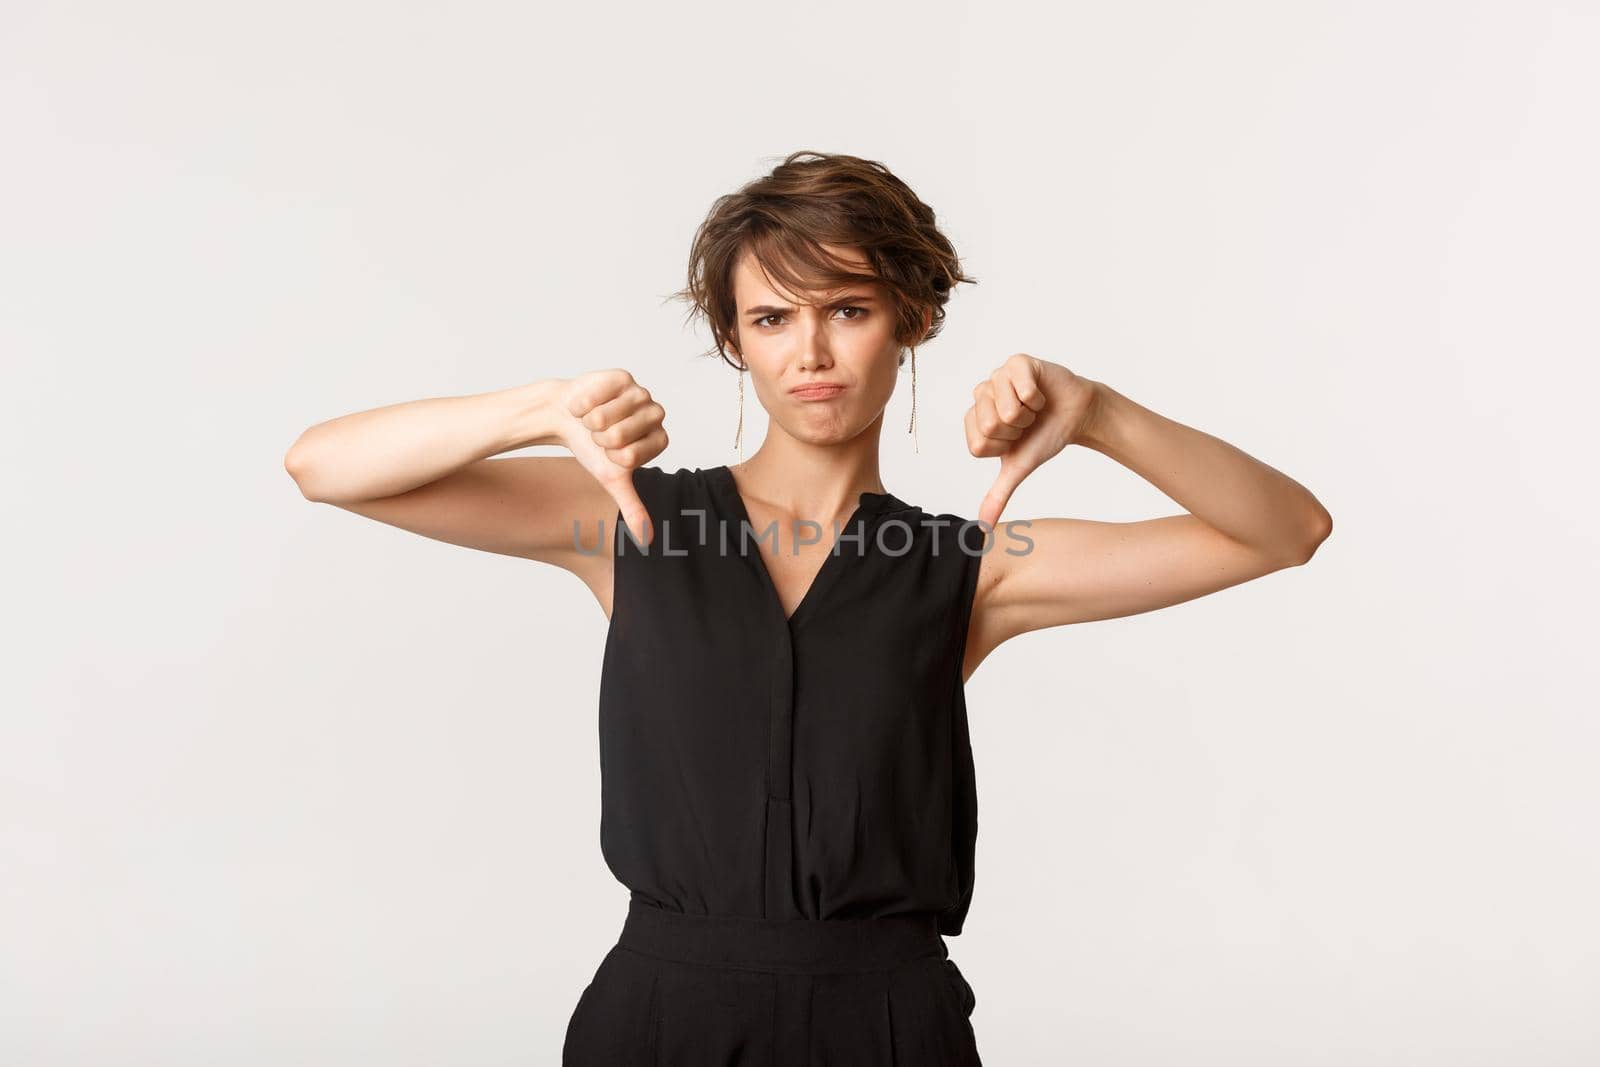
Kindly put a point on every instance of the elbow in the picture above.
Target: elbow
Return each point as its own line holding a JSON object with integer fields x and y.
{"x": 1321, "y": 527}
{"x": 297, "y": 462}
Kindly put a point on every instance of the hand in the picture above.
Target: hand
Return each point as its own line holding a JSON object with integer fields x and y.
{"x": 1025, "y": 412}
{"x": 615, "y": 427}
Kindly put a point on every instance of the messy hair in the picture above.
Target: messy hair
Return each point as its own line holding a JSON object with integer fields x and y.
{"x": 811, "y": 199}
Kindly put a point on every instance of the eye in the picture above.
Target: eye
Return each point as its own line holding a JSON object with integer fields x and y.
{"x": 861, "y": 313}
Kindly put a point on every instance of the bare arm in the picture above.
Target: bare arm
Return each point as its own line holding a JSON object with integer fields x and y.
{"x": 1243, "y": 518}
{"x": 393, "y": 449}
{"x": 425, "y": 466}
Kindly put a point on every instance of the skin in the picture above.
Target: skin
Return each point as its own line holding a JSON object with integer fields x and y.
{"x": 430, "y": 466}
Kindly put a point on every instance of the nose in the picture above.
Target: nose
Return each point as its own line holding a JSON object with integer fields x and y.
{"x": 815, "y": 352}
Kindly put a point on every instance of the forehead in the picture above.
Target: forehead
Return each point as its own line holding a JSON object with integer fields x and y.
{"x": 752, "y": 285}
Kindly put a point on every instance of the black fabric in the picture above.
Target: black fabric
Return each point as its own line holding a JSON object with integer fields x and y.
{"x": 692, "y": 991}
{"x": 815, "y": 767}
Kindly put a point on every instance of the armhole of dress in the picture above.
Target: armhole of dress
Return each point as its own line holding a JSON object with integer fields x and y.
{"x": 623, "y": 559}
{"x": 953, "y": 920}
{"x": 972, "y": 567}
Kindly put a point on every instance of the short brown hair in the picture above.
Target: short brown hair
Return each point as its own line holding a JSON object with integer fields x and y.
{"x": 811, "y": 199}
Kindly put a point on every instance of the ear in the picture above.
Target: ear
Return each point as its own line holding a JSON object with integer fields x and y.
{"x": 927, "y": 321}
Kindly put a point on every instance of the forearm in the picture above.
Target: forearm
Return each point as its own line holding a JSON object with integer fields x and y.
{"x": 392, "y": 449}
{"x": 1237, "y": 494}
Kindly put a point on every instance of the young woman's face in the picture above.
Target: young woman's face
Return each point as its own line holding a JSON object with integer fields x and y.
{"x": 842, "y": 339}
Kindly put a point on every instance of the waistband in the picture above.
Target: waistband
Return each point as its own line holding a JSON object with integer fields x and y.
{"x": 790, "y": 945}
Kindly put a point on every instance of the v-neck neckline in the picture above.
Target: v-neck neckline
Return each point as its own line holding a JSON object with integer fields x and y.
{"x": 868, "y": 504}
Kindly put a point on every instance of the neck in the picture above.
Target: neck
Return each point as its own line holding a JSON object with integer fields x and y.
{"x": 807, "y": 479}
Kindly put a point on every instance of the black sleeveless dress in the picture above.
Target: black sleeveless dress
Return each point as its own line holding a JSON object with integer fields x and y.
{"x": 789, "y": 801}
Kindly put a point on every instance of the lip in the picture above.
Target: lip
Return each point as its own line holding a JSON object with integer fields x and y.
{"x": 817, "y": 391}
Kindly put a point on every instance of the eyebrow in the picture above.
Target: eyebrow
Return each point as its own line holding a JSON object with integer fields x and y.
{"x": 771, "y": 309}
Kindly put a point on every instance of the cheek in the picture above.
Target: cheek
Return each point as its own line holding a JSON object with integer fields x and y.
{"x": 881, "y": 380}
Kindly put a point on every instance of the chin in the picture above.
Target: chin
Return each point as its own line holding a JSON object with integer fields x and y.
{"x": 822, "y": 436}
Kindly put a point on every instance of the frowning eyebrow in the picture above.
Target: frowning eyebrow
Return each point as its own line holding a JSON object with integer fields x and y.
{"x": 764, "y": 310}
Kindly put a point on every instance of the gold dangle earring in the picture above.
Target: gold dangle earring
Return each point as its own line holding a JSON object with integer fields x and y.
{"x": 912, "y": 429}
{"x": 738, "y": 436}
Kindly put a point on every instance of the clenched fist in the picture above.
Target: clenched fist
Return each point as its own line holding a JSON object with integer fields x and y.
{"x": 1025, "y": 412}
{"x": 615, "y": 427}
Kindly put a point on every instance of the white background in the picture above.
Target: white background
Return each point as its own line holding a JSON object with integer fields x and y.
{"x": 279, "y": 784}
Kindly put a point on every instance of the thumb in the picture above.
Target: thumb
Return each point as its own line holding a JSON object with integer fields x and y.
{"x": 634, "y": 513}
{"x": 1012, "y": 472}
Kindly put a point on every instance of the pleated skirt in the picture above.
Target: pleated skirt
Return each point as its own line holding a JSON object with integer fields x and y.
{"x": 709, "y": 991}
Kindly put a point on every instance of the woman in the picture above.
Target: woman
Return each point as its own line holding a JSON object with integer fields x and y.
{"x": 787, "y": 783}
